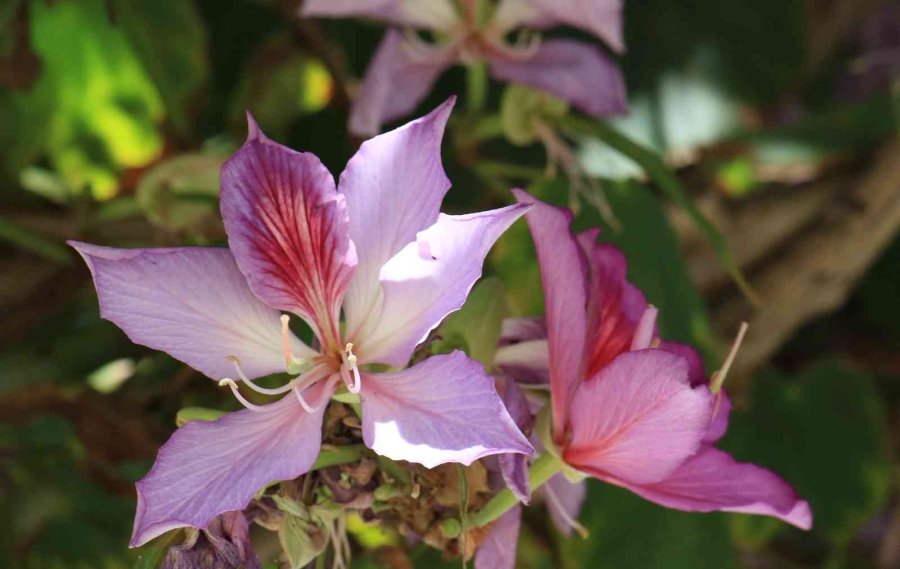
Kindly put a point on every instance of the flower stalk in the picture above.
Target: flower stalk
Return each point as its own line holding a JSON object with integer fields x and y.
{"x": 541, "y": 470}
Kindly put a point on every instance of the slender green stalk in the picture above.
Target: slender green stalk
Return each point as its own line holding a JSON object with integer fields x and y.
{"x": 338, "y": 455}
{"x": 463, "y": 509}
{"x": 654, "y": 166}
{"x": 476, "y": 87}
{"x": 32, "y": 241}
{"x": 540, "y": 471}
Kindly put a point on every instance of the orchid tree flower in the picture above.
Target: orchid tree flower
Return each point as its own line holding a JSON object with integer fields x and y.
{"x": 405, "y": 67}
{"x": 625, "y": 407}
{"x": 374, "y": 248}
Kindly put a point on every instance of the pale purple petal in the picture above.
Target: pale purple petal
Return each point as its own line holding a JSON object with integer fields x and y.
{"x": 498, "y": 550}
{"x": 528, "y": 361}
{"x": 445, "y": 409}
{"x": 603, "y": 18}
{"x": 288, "y": 229}
{"x": 192, "y": 303}
{"x": 433, "y": 14}
{"x": 394, "y": 187}
{"x": 564, "y": 278}
{"x": 514, "y": 466}
{"x": 713, "y": 480}
{"x": 577, "y": 72}
{"x": 399, "y": 76}
{"x": 652, "y": 420}
{"x": 515, "y": 330}
{"x": 208, "y": 468}
{"x": 431, "y": 278}
{"x": 564, "y": 500}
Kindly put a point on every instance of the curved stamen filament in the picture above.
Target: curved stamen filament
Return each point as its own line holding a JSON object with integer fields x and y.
{"x": 237, "y": 395}
{"x": 718, "y": 378}
{"x": 348, "y": 366}
{"x": 257, "y": 388}
{"x": 551, "y": 497}
{"x": 292, "y": 364}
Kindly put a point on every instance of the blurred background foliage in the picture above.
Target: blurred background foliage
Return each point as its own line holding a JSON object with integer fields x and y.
{"x": 777, "y": 119}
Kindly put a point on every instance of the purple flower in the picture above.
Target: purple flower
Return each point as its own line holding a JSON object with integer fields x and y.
{"x": 404, "y": 67}
{"x": 377, "y": 249}
{"x": 626, "y": 408}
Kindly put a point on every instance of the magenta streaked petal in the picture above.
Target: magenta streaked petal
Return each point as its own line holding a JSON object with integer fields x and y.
{"x": 431, "y": 278}
{"x": 394, "y": 187}
{"x": 577, "y": 72}
{"x": 564, "y": 278}
{"x": 713, "y": 480}
{"x": 603, "y": 18}
{"x": 208, "y": 468}
{"x": 399, "y": 76}
{"x": 564, "y": 500}
{"x": 445, "y": 409}
{"x": 498, "y": 550}
{"x": 615, "y": 306}
{"x": 288, "y": 229}
{"x": 432, "y": 14}
{"x": 652, "y": 419}
{"x": 192, "y": 303}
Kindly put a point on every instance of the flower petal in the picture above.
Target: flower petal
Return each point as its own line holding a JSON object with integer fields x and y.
{"x": 577, "y": 72}
{"x": 207, "y": 468}
{"x": 399, "y": 76}
{"x": 498, "y": 550}
{"x": 713, "y": 480}
{"x": 528, "y": 362}
{"x": 445, "y": 409}
{"x": 431, "y": 278}
{"x": 394, "y": 187}
{"x": 615, "y": 306}
{"x": 192, "y": 303}
{"x": 432, "y": 14}
{"x": 288, "y": 229}
{"x": 697, "y": 374}
{"x": 564, "y": 278}
{"x": 603, "y": 18}
{"x": 638, "y": 419}
{"x": 514, "y": 466}
{"x": 564, "y": 500}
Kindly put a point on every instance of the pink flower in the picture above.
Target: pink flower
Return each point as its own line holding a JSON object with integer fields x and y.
{"x": 404, "y": 68}
{"x": 375, "y": 248}
{"x": 622, "y": 411}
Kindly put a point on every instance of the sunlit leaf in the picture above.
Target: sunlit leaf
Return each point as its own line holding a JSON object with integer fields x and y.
{"x": 476, "y": 326}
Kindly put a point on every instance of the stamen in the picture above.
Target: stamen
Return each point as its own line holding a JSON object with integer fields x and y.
{"x": 237, "y": 395}
{"x": 718, "y": 378}
{"x": 259, "y": 389}
{"x": 349, "y": 365}
{"x": 293, "y": 365}
{"x": 306, "y": 406}
{"x": 643, "y": 334}
{"x": 561, "y": 510}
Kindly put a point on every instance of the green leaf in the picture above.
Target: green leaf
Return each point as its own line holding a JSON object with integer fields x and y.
{"x": 521, "y": 108}
{"x": 476, "y": 326}
{"x": 627, "y": 532}
{"x": 170, "y": 39}
{"x": 824, "y": 432}
{"x": 181, "y": 192}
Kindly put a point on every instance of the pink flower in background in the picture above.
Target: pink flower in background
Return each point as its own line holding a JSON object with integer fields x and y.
{"x": 626, "y": 408}
{"x": 405, "y": 67}
{"x": 375, "y": 248}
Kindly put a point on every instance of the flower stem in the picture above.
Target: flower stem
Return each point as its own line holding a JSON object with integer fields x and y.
{"x": 540, "y": 471}
{"x": 476, "y": 87}
{"x": 338, "y": 455}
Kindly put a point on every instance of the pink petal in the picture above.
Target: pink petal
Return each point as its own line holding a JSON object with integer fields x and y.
{"x": 207, "y": 468}
{"x": 577, "y": 72}
{"x": 638, "y": 419}
{"x": 191, "y": 302}
{"x": 615, "y": 306}
{"x": 444, "y": 409}
{"x": 398, "y": 78}
{"x": 564, "y": 500}
{"x": 713, "y": 480}
{"x": 697, "y": 374}
{"x": 603, "y": 18}
{"x": 498, "y": 550}
{"x": 431, "y": 278}
{"x": 433, "y": 14}
{"x": 394, "y": 187}
{"x": 564, "y": 279}
{"x": 288, "y": 229}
